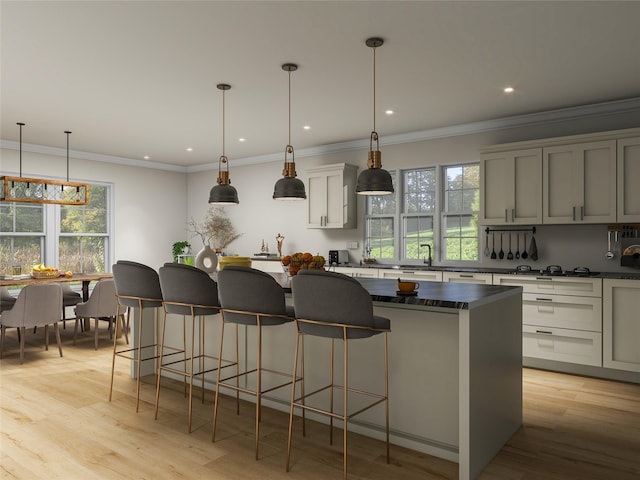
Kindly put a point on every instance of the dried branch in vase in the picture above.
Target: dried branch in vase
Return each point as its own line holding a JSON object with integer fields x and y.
{"x": 216, "y": 230}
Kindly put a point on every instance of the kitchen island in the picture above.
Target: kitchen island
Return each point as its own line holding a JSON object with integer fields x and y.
{"x": 455, "y": 369}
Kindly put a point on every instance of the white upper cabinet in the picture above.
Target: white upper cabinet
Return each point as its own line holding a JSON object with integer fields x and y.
{"x": 629, "y": 180}
{"x": 511, "y": 187}
{"x": 331, "y": 196}
{"x": 579, "y": 183}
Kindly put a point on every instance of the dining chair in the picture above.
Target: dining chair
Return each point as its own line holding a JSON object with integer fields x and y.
{"x": 69, "y": 299}
{"x": 137, "y": 287}
{"x": 6, "y": 299}
{"x": 101, "y": 305}
{"x": 252, "y": 298}
{"x": 187, "y": 291}
{"x": 336, "y": 307}
{"x": 36, "y": 305}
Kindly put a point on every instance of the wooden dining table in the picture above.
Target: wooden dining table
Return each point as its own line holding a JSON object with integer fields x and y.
{"x": 85, "y": 278}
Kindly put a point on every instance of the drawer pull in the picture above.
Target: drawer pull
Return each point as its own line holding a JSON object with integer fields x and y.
{"x": 462, "y": 275}
{"x": 544, "y": 331}
{"x": 546, "y": 279}
{"x": 544, "y": 299}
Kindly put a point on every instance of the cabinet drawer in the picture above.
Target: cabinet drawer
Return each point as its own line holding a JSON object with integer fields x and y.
{"x": 356, "y": 272}
{"x": 587, "y": 287}
{"x": 572, "y": 346}
{"x": 562, "y": 311}
{"x": 424, "y": 275}
{"x": 463, "y": 277}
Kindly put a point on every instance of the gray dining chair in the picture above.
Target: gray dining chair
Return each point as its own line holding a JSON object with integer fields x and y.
{"x": 101, "y": 305}
{"x": 6, "y": 299}
{"x": 252, "y": 298}
{"x": 137, "y": 287}
{"x": 69, "y": 299}
{"x": 187, "y": 291}
{"x": 36, "y": 305}
{"x": 336, "y": 307}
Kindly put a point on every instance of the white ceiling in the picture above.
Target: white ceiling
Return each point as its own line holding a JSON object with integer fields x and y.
{"x": 139, "y": 78}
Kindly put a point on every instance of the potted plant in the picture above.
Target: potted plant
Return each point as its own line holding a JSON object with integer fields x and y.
{"x": 180, "y": 248}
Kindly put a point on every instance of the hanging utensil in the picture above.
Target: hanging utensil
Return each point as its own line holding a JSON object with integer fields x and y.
{"x": 493, "y": 240}
{"x": 510, "y": 254}
{"x": 524, "y": 249}
{"x": 533, "y": 249}
{"x": 486, "y": 245}
{"x": 501, "y": 254}
{"x": 609, "y": 255}
{"x": 517, "y": 246}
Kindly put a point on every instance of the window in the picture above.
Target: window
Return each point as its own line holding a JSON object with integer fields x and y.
{"x": 75, "y": 238}
{"x": 22, "y": 241}
{"x": 460, "y": 212}
{"x": 435, "y": 203}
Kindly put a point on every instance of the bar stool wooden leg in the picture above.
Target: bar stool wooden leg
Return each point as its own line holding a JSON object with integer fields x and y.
{"x": 293, "y": 396}
{"x": 215, "y": 400}
{"x": 345, "y": 414}
{"x": 159, "y": 376}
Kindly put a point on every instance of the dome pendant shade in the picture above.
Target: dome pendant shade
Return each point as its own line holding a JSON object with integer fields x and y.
{"x": 289, "y": 188}
{"x": 223, "y": 194}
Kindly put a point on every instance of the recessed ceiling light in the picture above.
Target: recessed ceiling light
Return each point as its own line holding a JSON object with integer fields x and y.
{"x": 389, "y": 112}
{"x": 508, "y": 90}
{"x": 307, "y": 127}
{"x": 242, "y": 139}
{"x": 146, "y": 157}
{"x": 189, "y": 149}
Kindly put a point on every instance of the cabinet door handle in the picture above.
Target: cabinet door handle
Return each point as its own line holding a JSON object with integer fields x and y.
{"x": 513, "y": 214}
{"x": 582, "y": 212}
{"x": 505, "y": 215}
{"x": 545, "y": 332}
{"x": 574, "y": 214}
{"x": 462, "y": 275}
{"x": 544, "y": 299}
{"x": 546, "y": 279}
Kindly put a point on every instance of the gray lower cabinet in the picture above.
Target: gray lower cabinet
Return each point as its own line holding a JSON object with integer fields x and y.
{"x": 621, "y": 324}
{"x": 561, "y": 317}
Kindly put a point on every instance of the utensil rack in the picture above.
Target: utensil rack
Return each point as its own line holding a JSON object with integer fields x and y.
{"x": 626, "y": 231}
{"x": 530, "y": 229}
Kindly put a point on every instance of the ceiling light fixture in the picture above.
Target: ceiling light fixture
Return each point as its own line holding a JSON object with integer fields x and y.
{"x": 374, "y": 180}
{"x": 289, "y": 187}
{"x": 39, "y": 190}
{"x": 223, "y": 193}
{"x": 508, "y": 90}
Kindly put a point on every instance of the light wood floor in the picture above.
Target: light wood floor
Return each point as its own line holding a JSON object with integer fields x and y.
{"x": 57, "y": 422}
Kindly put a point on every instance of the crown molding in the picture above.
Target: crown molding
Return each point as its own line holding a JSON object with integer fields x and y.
{"x": 529, "y": 119}
{"x": 96, "y": 157}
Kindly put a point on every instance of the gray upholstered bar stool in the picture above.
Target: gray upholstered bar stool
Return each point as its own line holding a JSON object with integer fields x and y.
{"x": 101, "y": 305}
{"x": 336, "y": 306}
{"x": 252, "y": 298}
{"x": 187, "y": 290}
{"x": 137, "y": 286}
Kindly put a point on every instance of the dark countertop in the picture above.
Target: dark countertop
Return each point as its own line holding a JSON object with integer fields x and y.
{"x": 434, "y": 294}
{"x": 499, "y": 271}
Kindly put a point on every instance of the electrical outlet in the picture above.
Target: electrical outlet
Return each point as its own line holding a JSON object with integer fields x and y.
{"x": 352, "y": 245}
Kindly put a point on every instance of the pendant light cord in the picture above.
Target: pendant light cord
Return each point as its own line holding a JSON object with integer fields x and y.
{"x": 67, "y": 154}
{"x": 223, "y": 134}
{"x": 21, "y": 125}
{"x": 289, "y": 142}
{"x": 374, "y": 89}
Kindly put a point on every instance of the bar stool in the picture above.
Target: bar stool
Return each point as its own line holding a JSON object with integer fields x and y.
{"x": 252, "y": 298}
{"x": 335, "y": 306}
{"x": 137, "y": 286}
{"x": 187, "y": 290}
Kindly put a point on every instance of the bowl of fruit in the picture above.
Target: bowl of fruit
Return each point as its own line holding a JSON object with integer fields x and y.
{"x": 295, "y": 262}
{"x": 41, "y": 271}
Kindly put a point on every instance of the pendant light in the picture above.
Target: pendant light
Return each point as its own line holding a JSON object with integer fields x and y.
{"x": 374, "y": 180}
{"x": 289, "y": 187}
{"x": 223, "y": 193}
{"x": 40, "y": 190}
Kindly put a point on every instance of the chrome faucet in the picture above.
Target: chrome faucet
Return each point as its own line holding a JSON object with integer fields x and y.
{"x": 427, "y": 260}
